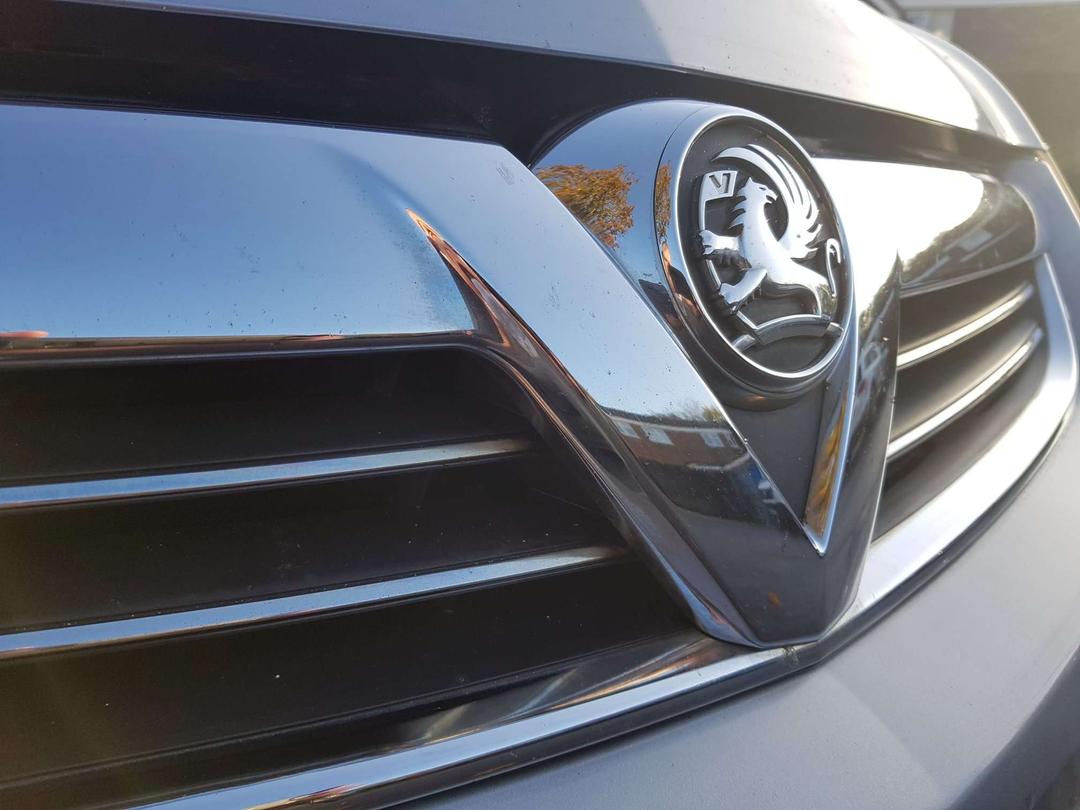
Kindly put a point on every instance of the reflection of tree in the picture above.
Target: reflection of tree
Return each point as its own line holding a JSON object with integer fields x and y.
{"x": 598, "y": 197}
{"x": 662, "y": 199}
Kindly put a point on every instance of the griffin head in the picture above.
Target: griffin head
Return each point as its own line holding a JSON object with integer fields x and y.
{"x": 752, "y": 191}
{"x": 802, "y": 226}
{"x": 753, "y": 195}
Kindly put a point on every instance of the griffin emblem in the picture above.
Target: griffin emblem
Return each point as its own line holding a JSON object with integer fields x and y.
{"x": 766, "y": 264}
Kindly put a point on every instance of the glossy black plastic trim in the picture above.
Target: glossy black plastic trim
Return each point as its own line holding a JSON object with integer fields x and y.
{"x": 523, "y": 99}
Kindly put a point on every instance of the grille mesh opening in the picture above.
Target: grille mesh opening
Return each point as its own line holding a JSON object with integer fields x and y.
{"x": 971, "y": 357}
{"x": 292, "y": 613}
{"x": 134, "y": 558}
{"x": 274, "y": 688}
{"x": 108, "y": 421}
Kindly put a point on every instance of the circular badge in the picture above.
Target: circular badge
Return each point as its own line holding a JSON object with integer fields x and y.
{"x": 754, "y": 249}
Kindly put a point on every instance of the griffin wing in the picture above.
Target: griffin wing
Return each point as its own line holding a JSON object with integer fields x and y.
{"x": 802, "y": 211}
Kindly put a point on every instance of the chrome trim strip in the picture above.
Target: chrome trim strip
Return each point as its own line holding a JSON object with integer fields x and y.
{"x": 968, "y": 399}
{"x": 893, "y": 559}
{"x": 24, "y": 353}
{"x": 934, "y": 347}
{"x": 350, "y": 781}
{"x": 383, "y": 461}
{"x": 297, "y": 606}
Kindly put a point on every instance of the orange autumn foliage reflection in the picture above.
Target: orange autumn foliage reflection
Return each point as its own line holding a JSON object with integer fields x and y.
{"x": 662, "y": 199}
{"x": 598, "y": 197}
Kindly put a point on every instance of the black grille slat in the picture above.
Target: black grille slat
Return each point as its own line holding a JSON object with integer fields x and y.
{"x": 148, "y": 557}
{"x": 937, "y": 323}
{"x": 914, "y": 478}
{"x": 998, "y": 235}
{"x": 260, "y": 475}
{"x": 932, "y": 388}
{"x": 269, "y": 618}
{"x": 305, "y": 606}
{"x": 970, "y": 357}
{"x": 110, "y": 421}
{"x": 220, "y": 690}
{"x": 935, "y": 393}
{"x": 99, "y": 562}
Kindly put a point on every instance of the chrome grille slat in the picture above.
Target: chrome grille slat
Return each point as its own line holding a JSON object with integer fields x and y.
{"x": 383, "y": 499}
{"x": 295, "y": 607}
{"x": 995, "y": 234}
{"x": 916, "y": 290}
{"x": 924, "y": 347}
{"x": 593, "y": 692}
{"x": 331, "y": 687}
{"x": 149, "y": 417}
{"x": 957, "y": 402}
{"x": 958, "y": 346}
{"x": 294, "y": 472}
{"x": 120, "y": 559}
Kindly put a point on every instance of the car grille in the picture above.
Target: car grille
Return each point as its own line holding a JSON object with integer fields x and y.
{"x": 250, "y": 568}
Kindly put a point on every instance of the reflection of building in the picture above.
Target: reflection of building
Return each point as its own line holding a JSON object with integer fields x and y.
{"x": 704, "y": 468}
{"x": 873, "y": 361}
{"x": 688, "y": 445}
